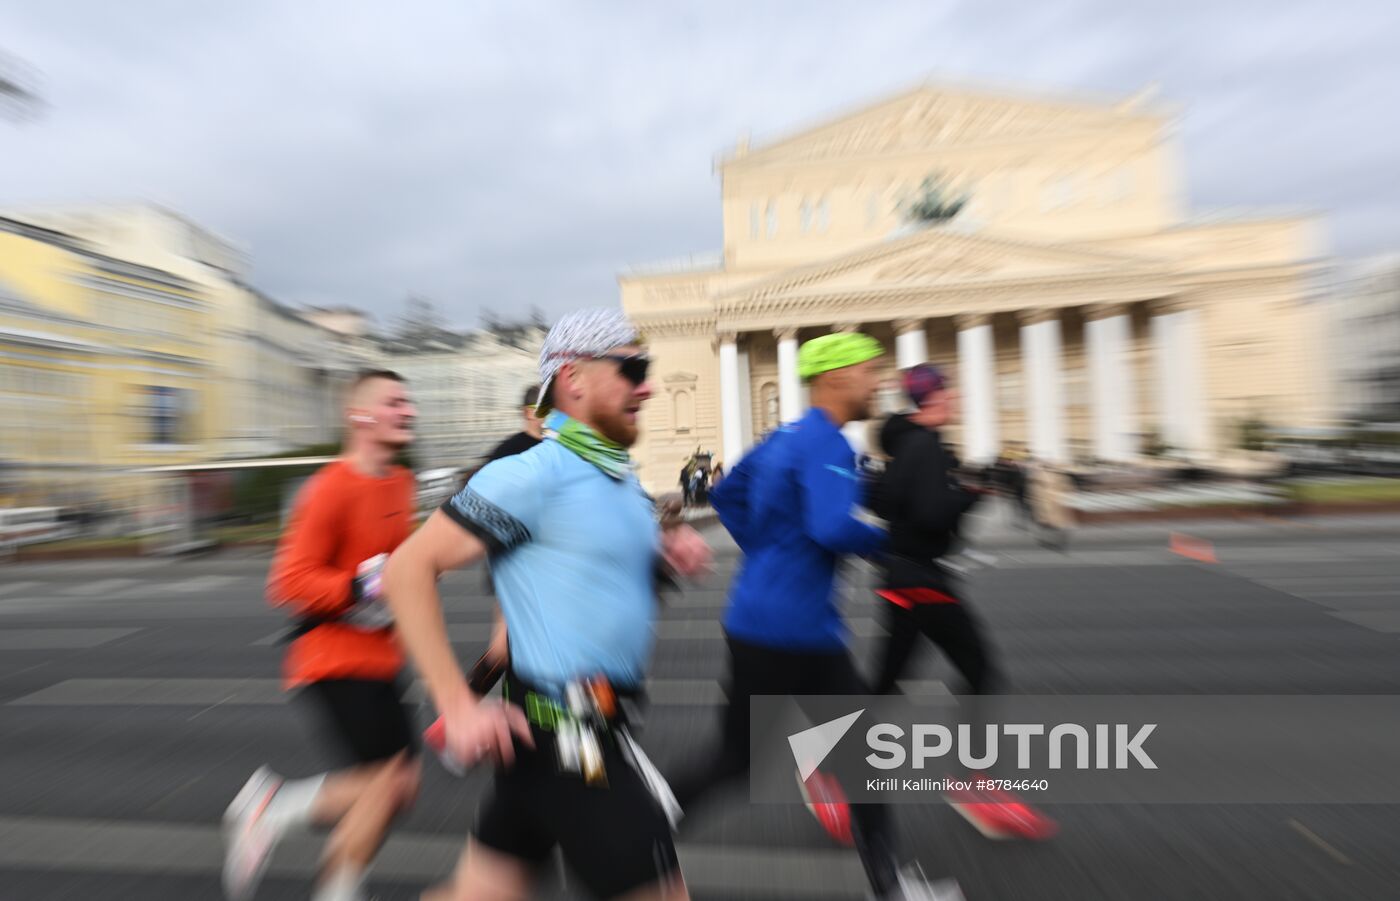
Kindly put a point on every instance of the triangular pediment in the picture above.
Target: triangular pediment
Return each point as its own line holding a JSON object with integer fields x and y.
{"x": 933, "y": 117}
{"x": 934, "y": 257}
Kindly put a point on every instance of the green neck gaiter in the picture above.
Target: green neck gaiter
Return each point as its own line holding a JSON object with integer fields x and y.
{"x": 609, "y": 456}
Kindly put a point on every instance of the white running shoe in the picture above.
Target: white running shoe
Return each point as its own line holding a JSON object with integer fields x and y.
{"x": 913, "y": 886}
{"x": 249, "y": 835}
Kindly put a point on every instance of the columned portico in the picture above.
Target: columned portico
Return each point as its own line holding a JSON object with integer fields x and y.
{"x": 977, "y": 376}
{"x": 1045, "y": 402}
{"x": 789, "y": 385}
{"x": 1107, "y": 333}
{"x": 910, "y": 343}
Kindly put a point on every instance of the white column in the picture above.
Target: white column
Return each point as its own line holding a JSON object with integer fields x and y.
{"x": 745, "y": 399}
{"x": 789, "y": 385}
{"x": 1107, "y": 333}
{"x": 977, "y": 374}
{"x": 1193, "y": 378}
{"x": 731, "y": 425}
{"x": 1164, "y": 343}
{"x": 910, "y": 343}
{"x": 1176, "y": 339}
{"x": 1045, "y": 400}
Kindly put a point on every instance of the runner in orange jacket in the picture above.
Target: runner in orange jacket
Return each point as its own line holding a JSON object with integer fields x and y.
{"x": 343, "y": 658}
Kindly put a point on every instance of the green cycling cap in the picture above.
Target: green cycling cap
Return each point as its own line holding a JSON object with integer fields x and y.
{"x": 836, "y": 351}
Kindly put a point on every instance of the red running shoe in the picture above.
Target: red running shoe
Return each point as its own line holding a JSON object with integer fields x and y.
{"x": 827, "y": 802}
{"x": 1000, "y": 815}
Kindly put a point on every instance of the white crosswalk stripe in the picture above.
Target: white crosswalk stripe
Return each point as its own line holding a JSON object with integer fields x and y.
{"x": 123, "y": 846}
{"x": 195, "y": 585}
{"x": 666, "y": 630}
{"x": 58, "y": 639}
{"x": 101, "y": 587}
{"x": 202, "y": 692}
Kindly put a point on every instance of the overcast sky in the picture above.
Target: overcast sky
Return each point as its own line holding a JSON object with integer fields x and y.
{"x": 500, "y": 155}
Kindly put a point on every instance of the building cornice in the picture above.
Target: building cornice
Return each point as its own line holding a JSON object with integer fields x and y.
{"x": 1272, "y": 275}
{"x": 817, "y": 307}
{"x": 942, "y": 241}
{"x": 665, "y": 325}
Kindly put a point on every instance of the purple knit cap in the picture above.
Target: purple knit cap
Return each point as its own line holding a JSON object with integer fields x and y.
{"x": 922, "y": 380}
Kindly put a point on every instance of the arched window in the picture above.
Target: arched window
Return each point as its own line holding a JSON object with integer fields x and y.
{"x": 684, "y": 413}
{"x": 804, "y": 216}
{"x": 772, "y": 217}
{"x": 823, "y": 215}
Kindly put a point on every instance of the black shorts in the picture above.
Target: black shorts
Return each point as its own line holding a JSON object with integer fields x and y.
{"x": 614, "y": 838}
{"x": 362, "y": 720}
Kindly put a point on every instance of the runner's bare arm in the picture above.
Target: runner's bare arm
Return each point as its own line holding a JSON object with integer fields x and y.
{"x": 685, "y": 552}
{"x": 411, "y": 589}
{"x": 475, "y": 729}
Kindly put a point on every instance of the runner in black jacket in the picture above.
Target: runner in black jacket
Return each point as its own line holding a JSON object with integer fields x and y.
{"x": 921, "y": 498}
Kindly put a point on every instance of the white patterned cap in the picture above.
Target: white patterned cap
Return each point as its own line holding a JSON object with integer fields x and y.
{"x": 577, "y": 336}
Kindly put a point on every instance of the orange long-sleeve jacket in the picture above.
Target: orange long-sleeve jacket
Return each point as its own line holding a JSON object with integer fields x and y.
{"x": 340, "y": 518}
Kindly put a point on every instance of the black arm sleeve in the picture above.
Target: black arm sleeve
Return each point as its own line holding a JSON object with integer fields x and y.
{"x": 891, "y": 490}
{"x": 932, "y": 501}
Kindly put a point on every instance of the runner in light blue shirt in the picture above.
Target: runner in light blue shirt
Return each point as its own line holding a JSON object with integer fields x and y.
{"x": 574, "y": 548}
{"x": 575, "y": 584}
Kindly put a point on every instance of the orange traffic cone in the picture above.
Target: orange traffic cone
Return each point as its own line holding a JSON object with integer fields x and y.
{"x": 1198, "y": 549}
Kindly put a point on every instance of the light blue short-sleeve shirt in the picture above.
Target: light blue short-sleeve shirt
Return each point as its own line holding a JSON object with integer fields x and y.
{"x": 573, "y": 555}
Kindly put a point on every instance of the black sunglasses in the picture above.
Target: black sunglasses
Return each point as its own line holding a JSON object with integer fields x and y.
{"x": 632, "y": 367}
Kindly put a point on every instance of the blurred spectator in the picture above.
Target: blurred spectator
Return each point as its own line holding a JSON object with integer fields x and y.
{"x": 1050, "y": 491}
{"x": 700, "y": 486}
{"x": 530, "y": 435}
{"x": 686, "y": 471}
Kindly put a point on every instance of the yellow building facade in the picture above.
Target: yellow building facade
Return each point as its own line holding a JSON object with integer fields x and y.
{"x": 1082, "y": 314}
{"x": 104, "y": 367}
{"x": 280, "y": 376}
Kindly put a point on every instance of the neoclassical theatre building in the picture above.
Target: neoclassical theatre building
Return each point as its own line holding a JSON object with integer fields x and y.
{"x": 1080, "y": 311}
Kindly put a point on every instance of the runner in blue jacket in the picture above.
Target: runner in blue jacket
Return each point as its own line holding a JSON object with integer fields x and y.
{"x": 791, "y": 504}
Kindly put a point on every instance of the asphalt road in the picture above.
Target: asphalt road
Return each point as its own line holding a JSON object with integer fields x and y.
{"x": 135, "y": 698}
